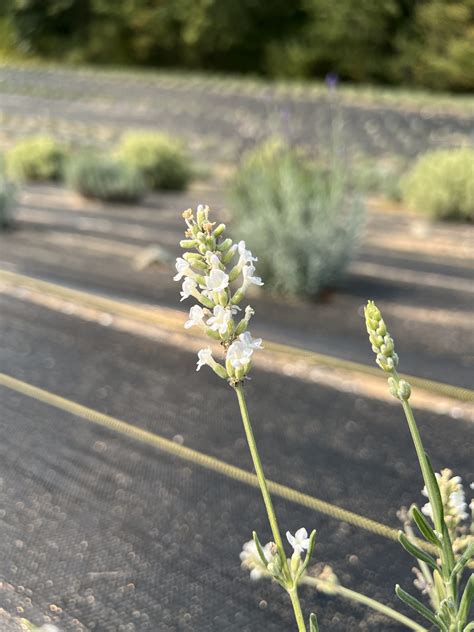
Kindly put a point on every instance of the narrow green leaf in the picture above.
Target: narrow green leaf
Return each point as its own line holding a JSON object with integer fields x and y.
{"x": 436, "y": 501}
{"x": 313, "y": 623}
{"x": 260, "y": 549}
{"x": 424, "y": 527}
{"x": 416, "y": 551}
{"x": 466, "y": 600}
{"x": 415, "y": 604}
{"x": 448, "y": 552}
{"x": 438, "y": 513}
{"x": 464, "y": 559}
{"x": 309, "y": 553}
{"x": 439, "y": 585}
{"x": 441, "y": 624}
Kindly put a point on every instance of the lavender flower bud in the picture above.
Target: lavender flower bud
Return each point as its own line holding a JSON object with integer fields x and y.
{"x": 381, "y": 341}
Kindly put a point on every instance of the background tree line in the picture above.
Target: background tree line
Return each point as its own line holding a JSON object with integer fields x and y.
{"x": 426, "y": 43}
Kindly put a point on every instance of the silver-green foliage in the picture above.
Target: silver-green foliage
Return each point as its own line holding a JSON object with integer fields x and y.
{"x": 105, "y": 178}
{"x": 161, "y": 159}
{"x": 441, "y": 184}
{"x": 304, "y": 222}
{"x": 39, "y": 158}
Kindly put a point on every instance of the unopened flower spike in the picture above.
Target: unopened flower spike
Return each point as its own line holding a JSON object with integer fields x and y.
{"x": 384, "y": 347}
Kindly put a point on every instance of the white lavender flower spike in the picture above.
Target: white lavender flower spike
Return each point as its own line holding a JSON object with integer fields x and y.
{"x": 219, "y": 283}
{"x": 206, "y": 278}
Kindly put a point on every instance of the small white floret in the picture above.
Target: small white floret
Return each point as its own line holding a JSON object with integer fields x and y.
{"x": 217, "y": 280}
{"x": 196, "y": 315}
{"x": 253, "y": 343}
{"x": 182, "y": 267}
{"x": 204, "y": 357}
{"x": 249, "y": 279}
{"x": 249, "y": 312}
{"x": 189, "y": 287}
{"x": 299, "y": 541}
{"x": 245, "y": 256}
{"x": 239, "y": 355}
{"x": 220, "y": 320}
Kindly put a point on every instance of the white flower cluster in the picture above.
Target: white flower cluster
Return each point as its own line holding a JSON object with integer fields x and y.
{"x": 453, "y": 497}
{"x": 252, "y": 561}
{"x": 206, "y": 276}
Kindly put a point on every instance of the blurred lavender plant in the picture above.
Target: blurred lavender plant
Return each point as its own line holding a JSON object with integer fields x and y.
{"x": 440, "y": 576}
{"x": 312, "y": 217}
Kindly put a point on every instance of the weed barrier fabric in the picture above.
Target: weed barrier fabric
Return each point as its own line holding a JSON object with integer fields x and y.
{"x": 429, "y": 349}
{"x": 108, "y": 532}
{"x": 60, "y": 246}
{"x": 122, "y": 537}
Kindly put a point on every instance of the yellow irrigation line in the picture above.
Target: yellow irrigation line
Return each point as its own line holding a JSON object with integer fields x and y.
{"x": 173, "y": 320}
{"x": 194, "y": 456}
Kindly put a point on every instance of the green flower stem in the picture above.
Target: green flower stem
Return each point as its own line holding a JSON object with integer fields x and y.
{"x": 446, "y": 551}
{"x": 335, "y": 589}
{"x": 268, "y": 501}
{"x": 258, "y": 467}
{"x": 447, "y": 556}
{"x": 295, "y": 602}
{"x": 425, "y": 470}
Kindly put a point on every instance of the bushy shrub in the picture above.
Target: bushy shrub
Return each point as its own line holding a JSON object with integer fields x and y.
{"x": 303, "y": 222}
{"x": 36, "y": 158}
{"x": 6, "y": 199}
{"x": 162, "y": 160}
{"x": 105, "y": 178}
{"x": 441, "y": 184}
{"x": 377, "y": 178}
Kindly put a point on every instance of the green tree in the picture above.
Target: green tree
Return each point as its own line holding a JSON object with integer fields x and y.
{"x": 436, "y": 49}
{"x": 352, "y": 38}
